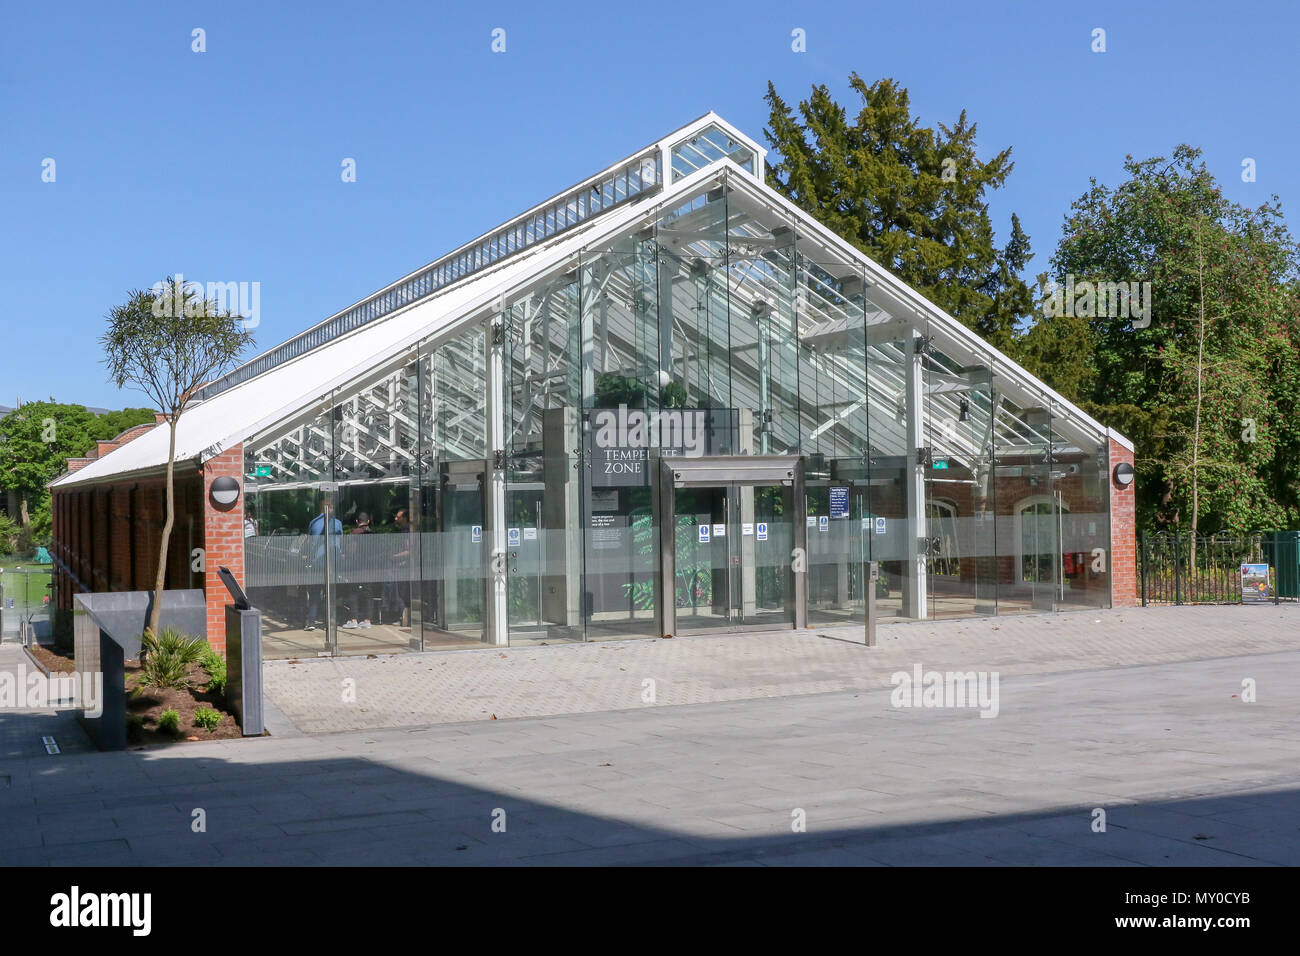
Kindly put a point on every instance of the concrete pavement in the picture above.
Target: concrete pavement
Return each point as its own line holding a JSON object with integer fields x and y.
{"x": 1186, "y": 771}
{"x": 351, "y": 693}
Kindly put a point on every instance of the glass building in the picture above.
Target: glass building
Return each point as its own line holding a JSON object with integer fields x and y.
{"x": 663, "y": 402}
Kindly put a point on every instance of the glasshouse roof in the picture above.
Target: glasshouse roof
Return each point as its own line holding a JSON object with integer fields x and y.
{"x": 693, "y": 165}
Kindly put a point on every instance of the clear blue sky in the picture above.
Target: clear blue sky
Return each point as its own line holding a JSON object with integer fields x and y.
{"x": 225, "y": 165}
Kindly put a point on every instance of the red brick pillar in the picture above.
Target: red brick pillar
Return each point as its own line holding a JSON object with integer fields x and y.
{"x": 223, "y": 540}
{"x": 1123, "y": 534}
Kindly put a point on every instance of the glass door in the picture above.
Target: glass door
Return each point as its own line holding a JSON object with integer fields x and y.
{"x": 961, "y": 561}
{"x": 703, "y": 551}
{"x": 449, "y": 599}
{"x": 837, "y": 550}
{"x": 732, "y": 547}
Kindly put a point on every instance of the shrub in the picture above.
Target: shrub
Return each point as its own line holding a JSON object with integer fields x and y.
{"x": 134, "y": 725}
{"x": 207, "y": 718}
{"x": 165, "y": 660}
{"x": 215, "y": 665}
{"x": 170, "y": 721}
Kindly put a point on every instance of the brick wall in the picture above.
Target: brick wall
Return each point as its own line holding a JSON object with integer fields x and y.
{"x": 107, "y": 536}
{"x": 223, "y": 540}
{"x": 1123, "y": 534}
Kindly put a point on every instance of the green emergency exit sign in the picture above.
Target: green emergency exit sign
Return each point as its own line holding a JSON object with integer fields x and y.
{"x": 941, "y": 464}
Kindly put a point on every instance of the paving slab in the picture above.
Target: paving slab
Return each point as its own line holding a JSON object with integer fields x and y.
{"x": 1187, "y": 773}
{"x": 404, "y": 690}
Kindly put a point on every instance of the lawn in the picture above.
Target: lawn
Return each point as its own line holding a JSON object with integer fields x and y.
{"x": 24, "y": 582}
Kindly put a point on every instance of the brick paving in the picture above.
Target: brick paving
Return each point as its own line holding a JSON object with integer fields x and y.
{"x": 455, "y": 686}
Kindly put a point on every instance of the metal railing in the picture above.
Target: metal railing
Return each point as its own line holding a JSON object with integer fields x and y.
{"x": 633, "y": 178}
{"x": 1177, "y": 569}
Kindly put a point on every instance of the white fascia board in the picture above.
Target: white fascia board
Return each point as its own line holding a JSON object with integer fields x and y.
{"x": 1120, "y": 439}
{"x": 917, "y": 302}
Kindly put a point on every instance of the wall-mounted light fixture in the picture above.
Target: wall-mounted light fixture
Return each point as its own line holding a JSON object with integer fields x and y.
{"x": 224, "y": 492}
{"x": 1123, "y": 474}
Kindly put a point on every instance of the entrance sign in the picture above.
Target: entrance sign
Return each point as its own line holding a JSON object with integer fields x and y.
{"x": 530, "y": 534}
{"x": 880, "y": 526}
{"x": 476, "y": 534}
{"x": 839, "y": 502}
{"x": 719, "y": 530}
{"x": 1254, "y": 583}
{"x": 823, "y": 524}
{"x": 747, "y": 529}
{"x": 762, "y": 531}
{"x": 621, "y": 440}
{"x": 513, "y": 537}
{"x": 704, "y": 534}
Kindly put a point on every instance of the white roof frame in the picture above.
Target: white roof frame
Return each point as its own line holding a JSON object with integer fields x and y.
{"x": 256, "y": 405}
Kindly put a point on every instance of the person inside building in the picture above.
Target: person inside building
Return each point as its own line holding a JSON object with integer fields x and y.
{"x": 358, "y": 592}
{"x": 397, "y": 583}
{"x": 317, "y": 568}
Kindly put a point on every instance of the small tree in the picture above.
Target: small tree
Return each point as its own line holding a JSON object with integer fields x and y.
{"x": 166, "y": 344}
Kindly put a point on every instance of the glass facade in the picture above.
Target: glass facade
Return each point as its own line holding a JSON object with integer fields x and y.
{"x": 712, "y": 421}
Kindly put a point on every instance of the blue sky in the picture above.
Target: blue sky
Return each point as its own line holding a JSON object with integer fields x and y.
{"x": 225, "y": 165}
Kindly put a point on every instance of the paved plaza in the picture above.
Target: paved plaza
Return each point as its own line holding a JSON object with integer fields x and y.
{"x": 1141, "y": 716}
{"x": 354, "y": 693}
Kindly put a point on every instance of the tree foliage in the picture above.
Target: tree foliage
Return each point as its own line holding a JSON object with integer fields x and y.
{"x": 36, "y": 440}
{"x": 166, "y": 342}
{"x": 910, "y": 197}
{"x": 1207, "y": 391}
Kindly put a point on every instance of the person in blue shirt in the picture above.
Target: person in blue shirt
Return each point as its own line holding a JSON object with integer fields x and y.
{"x": 316, "y": 529}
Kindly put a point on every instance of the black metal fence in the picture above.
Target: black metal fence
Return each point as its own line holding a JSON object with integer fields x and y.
{"x": 1179, "y": 569}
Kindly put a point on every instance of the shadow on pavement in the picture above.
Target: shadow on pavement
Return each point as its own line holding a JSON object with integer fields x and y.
{"x": 138, "y": 808}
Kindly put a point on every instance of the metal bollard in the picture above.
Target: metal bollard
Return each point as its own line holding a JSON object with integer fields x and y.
{"x": 872, "y": 576}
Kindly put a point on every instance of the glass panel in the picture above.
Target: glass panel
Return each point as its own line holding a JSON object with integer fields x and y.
{"x": 622, "y": 554}
{"x": 544, "y": 547}
{"x": 1026, "y": 513}
{"x": 829, "y": 305}
{"x": 285, "y": 562}
{"x": 1083, "y": 495}
{"x": 376, "y": 438}
{"x": 773, "y": 541}
{"x": 890, "y": 466}
{"x": 702, "y": 585}
{"x": 837, "y": 555}
{"x": 708, "y": 146}
{"x": 450, "y": 593}
{"x": 444, "y": 594}
{"x": 761, "y": 279}
{"x": 694, "y": 329}
{"x": 544, "y": 351}
{"x": 961, "y": 573}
